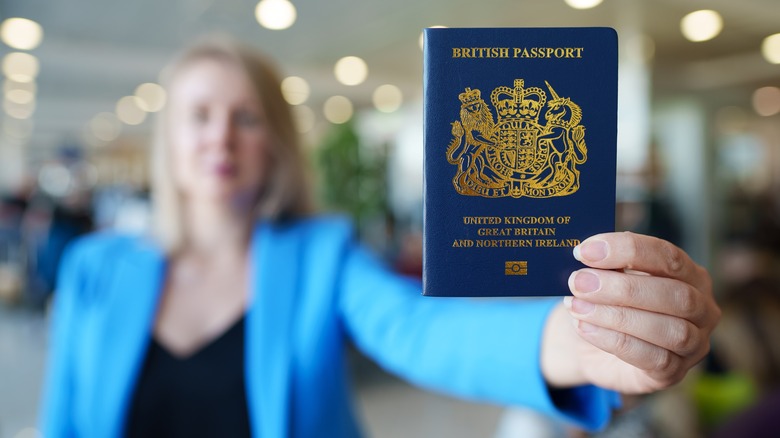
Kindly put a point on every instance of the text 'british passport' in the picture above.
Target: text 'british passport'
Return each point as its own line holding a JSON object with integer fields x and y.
{"x": 520, "y": 144}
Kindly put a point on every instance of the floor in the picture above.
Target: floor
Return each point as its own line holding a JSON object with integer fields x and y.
{"x": 22, "y": 351}
{"x": 390, "y": 407}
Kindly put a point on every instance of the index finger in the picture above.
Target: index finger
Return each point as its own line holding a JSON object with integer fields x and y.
{"x": 638, "y": 252}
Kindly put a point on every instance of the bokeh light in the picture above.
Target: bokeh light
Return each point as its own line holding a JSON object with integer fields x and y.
{"x": 766, "y": 101}
{"x": 19, "y": 96}
{"x": 20, "y": 67}
{"x": 770, "y": 48}
{"x": 387, "y": 98}
{"x": 338, "y": 109}
{"x": 9, "y": 85}
{"x": 295, "y": 90}
{"x": 129, "y": 110}
{"x": 583, "y": 4}
{"x": 17, "y": 110}
{"x": 151, "y": 97}
{"x": 21, "y": 33}
{"x": 351, "y": 70}
{"x": 701, "y": 25}
{"x": 275, "y": 14}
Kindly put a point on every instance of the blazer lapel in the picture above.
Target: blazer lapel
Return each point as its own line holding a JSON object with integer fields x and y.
{"x": 134, "y": 295}
{"x": 275, "y": 257}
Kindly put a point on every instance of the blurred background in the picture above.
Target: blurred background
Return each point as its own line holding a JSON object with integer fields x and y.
{"x": 698, "y": 164}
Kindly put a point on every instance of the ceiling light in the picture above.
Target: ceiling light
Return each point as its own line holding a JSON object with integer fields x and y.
{"x": 19, "y": 111}
{"x": 351, "y": 70}
{"x": 21, "y": 33}
{"x": 129, "y": 111}
{"x": 583, "y": 4}
{"x": 275, "y": 14}
{"x": 9, "y": 85}
{"x": 20, "y": 67}
{"x": 151, "y": 97}
{"x": 338, "y": 109}
{"x": 295, "y": 90}
{"x": 19, "y": 96}
{"x": 387, "y": 98}
{"x": 766, "y": 101}
{"x": 770, "y": 48}
{"x": 701, "y": 25}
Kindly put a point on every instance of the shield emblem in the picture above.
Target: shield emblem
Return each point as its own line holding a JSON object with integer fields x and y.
{"x": 507, "y": 151}
{"x": 526, "y": 148}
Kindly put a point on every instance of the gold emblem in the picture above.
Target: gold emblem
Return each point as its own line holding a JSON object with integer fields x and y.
{"x": 517, "y": 155}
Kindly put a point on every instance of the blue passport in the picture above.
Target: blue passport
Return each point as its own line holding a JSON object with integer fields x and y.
{"x": 520, "y": 147}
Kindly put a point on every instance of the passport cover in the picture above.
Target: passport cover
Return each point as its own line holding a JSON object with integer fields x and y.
{"x": 520, "y": 147}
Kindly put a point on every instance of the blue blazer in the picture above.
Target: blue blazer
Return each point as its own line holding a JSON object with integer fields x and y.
{"x": 313, "y": 289}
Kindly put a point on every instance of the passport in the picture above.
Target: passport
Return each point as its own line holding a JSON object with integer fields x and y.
{"x": 520, "y": 132}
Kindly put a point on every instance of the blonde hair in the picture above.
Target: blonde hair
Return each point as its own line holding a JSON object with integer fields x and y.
{"x": 286, "y": 192}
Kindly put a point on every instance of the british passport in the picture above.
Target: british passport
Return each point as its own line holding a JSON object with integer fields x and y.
{"x": 520, "y": 144}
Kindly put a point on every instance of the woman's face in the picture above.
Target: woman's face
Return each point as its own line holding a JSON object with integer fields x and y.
{"x": 218, "y": 134}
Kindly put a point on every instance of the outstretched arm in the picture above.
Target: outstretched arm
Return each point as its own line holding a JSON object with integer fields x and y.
{"x": 479, "y": 349}
{"x": 640, "y": 318}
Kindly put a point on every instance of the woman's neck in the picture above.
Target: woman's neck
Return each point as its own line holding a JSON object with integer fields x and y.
{"x": 217, "y": 230}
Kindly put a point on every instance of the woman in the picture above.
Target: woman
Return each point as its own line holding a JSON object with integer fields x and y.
{"x": 240, "y": 266}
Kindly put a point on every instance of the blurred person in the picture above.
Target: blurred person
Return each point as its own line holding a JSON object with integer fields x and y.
{"x": 57, "y": 210}
{"x": 233, "y": 319}
{"x": 71, "y": 217}
{"x": 12, "y": 208}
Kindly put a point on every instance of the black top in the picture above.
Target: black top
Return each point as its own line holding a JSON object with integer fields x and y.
{"x": 202, "y": 395}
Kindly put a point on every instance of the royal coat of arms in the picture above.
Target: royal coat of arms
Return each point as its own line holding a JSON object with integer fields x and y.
{"x": 519, "y": 155}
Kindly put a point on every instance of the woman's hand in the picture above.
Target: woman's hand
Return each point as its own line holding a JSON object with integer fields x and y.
{"x": 640, "y": 318}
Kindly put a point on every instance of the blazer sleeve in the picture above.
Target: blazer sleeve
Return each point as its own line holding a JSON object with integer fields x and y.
{"x": 482, "y": 349}
{"x": 55, "y": 412}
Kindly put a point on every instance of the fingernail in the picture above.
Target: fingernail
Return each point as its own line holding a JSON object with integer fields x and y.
{"x": 587, "y": 327}
{"x": 592, "y": 251}
{"x": 581, "y": 306}
{"x": 585, "y": 281}
{"x": 567, "y": 302}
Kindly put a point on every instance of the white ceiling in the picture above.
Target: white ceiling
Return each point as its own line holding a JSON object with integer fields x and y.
{"x": 96, "y": 51}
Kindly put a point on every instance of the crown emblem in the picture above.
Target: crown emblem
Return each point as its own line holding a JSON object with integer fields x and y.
{"x": 470, "y": 96}
{"x": 533, "y": 148}
{"x": 518, "y": 103}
